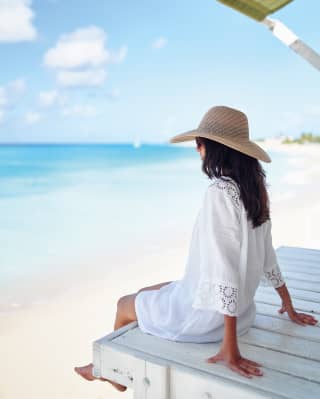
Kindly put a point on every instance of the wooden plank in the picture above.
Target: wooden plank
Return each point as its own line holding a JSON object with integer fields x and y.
{"x": 158, "y": 378}
{"x": 139, "y": 387}
{"x": 300, "y": 305}
{"x": 285, "y": 363}
{"x": 304, "y": 254}
{"x": 286, "y": 327}
{"x": 304, "y": 285}
{"x": 289, "y": 257}
{"x": 302, "y": 276}
{"x": 282, "y": 343}
{"x": 148, "y": 376}
{"x": 272, "y": 310}
{"x": 299, "y": 267}
{"x": 189, "y": 385}
{"x": 310, "y": 296}
{"x": 117, "y": 365}
{"x": 193, "y": 355}
{"x": 291, "y": 249}
{"x": 299, "y": 257}
{"x": 151, "y": 380}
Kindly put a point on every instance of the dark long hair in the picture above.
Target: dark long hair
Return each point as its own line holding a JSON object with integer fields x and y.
{"x": 245, "y": 170}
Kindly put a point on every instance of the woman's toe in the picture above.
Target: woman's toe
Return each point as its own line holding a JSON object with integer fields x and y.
{"x": 85, "y": 372}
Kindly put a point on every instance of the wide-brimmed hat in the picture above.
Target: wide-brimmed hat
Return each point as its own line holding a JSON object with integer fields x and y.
{"x": 227, "y": 126}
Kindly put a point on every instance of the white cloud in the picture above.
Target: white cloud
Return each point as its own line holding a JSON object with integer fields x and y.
{"x": 51, "y": 97}
{"x": 32, "y": 117}
{"x": 160, "y": 42}
{"x": 80, "y": 57}
{"x": 16, "y": 21}
{"x": 83, "y": 47}
{"x": 89, "y": 77}
{"x": 1, "y": 115}
{"x": 48, "y": 98}
{"x": 84, "y": 110}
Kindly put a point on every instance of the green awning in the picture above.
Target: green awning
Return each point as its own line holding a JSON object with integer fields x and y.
{"x": 257, "y": 9}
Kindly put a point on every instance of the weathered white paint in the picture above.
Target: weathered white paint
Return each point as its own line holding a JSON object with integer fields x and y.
{"x": 156, "y": 368}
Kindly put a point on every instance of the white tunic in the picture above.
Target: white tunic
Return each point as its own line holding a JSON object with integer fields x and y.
{"x": 227, "y": 260}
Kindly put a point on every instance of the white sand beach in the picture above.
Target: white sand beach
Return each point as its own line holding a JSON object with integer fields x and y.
{"x": 40, "y": 345}
{"x": 295, "y": 210}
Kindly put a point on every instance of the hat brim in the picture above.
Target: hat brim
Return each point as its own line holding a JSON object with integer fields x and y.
{"x": 248, "y": 147}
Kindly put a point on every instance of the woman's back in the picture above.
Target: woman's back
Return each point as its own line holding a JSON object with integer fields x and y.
{"x": 252, "y": 262}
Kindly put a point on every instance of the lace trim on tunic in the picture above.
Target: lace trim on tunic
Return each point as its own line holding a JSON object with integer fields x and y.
{"x": 219, "y": 296}
{"x": 272, "y": 278}
{"x": 230, "y": 188}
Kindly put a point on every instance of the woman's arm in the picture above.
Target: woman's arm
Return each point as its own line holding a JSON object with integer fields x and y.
{"x": 274, "y": 277}
{"x": 230, "y": 342}
{"x": 230, "y": 354}
{"x": 285, "y": 296}
{"x": 287, "y": 306}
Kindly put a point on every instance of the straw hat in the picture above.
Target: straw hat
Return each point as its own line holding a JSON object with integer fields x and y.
{"x": 227, "y": 126}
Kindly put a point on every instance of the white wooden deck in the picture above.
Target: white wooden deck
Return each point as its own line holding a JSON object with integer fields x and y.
{"x": 290, "y": 353}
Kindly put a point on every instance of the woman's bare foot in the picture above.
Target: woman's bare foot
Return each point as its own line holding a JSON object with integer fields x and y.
{"x": 86, "y": 372}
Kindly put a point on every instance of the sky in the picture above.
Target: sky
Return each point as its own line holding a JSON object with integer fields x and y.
{"x": 146, "y": 70}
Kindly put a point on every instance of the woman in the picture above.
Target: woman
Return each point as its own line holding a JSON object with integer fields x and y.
{"x": 230, "y": 252}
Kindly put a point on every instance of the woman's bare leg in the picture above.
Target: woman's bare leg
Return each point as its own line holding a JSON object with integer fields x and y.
{"x": 125, "y": 314}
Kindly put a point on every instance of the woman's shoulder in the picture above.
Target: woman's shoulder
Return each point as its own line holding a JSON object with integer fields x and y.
{"x": 227, "y": 187}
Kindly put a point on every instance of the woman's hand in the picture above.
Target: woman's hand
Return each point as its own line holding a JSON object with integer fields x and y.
{"x": 234, "y": 361}
{"x": 300, "y": 318}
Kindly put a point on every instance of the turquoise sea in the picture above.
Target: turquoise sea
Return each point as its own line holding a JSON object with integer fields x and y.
{"x": 61, "y": 204}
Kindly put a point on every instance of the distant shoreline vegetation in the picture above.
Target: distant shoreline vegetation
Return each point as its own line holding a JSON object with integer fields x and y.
{"x": 305, "y": 137}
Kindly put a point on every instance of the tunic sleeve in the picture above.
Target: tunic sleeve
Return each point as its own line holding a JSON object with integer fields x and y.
{"x": 271, "y": 271}
{"x": 220, "y": 241}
